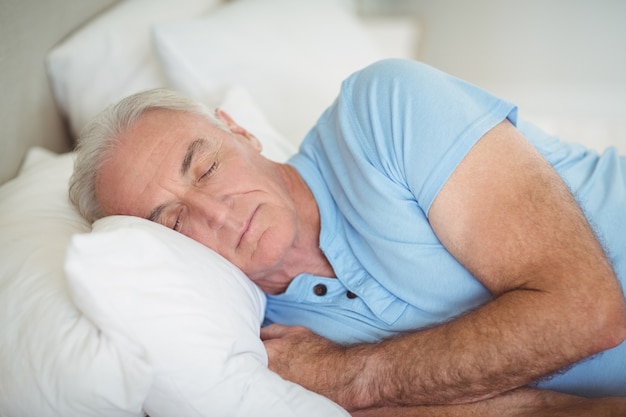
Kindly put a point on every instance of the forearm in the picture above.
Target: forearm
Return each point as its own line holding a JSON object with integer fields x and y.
{"x": 505, "y": 344}
{"x": 523, "y": 402}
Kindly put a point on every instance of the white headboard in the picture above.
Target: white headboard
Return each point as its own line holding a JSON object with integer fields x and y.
{"x": 28, "y": 116}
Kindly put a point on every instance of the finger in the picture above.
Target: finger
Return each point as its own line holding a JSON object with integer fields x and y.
{"x": 274, "y": 331}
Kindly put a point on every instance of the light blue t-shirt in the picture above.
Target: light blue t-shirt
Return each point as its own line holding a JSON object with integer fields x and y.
{"x": 375, "y": 162}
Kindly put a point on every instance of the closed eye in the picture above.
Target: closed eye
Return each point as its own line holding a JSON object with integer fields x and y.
{"x": 178, "y": 222}
{"x": 208, "y": 172}
{"x": 162, "y": 215}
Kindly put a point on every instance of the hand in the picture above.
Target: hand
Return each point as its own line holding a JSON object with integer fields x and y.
{"x": 523, "y": 402}
{"x": 301, "y": 356}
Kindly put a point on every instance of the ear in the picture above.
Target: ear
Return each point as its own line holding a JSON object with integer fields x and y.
{"x": 238, "y": 130}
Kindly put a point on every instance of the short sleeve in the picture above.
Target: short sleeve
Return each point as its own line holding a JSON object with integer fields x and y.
{"x": 414, "y": 122}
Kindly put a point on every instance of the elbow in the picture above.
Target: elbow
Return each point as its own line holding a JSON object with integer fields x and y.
{"x": 610, "y": 325}
{"x": 613, "y": 336}
{"x": 604, "y": 306}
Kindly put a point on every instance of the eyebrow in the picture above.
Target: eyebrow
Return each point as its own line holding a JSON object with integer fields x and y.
{"x": 155, "y": 215}
{"x": 189, "y": 155}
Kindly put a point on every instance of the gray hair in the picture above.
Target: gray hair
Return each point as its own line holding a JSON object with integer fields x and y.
{"x": 100, "y": 137}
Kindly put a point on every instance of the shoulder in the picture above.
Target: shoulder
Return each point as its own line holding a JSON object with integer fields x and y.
{"x": 396, "y": 68}
{"x": 396, "y": 73}
{"x": 405, "y": 87}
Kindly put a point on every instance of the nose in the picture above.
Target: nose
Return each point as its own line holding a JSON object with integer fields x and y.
{"x": 208, "y": 209}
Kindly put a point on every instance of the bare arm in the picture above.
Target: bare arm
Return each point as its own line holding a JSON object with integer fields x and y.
{"x": 507, "y": 216}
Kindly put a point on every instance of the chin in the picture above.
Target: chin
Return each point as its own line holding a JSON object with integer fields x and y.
{"x": 269, "y": 262}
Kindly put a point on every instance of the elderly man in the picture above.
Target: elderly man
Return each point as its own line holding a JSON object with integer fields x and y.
{"x": 419, "y": 211}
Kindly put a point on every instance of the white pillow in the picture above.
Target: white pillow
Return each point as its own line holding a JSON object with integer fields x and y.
{"x": 238, "y": 104}
{"x": 195, "y": 314}
{"x": 291, "y": 55}
{"x": 53, "y": 361}
{"x": 110, "y": 57}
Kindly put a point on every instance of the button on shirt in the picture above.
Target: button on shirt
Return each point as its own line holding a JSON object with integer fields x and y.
{"x": 320, "y": 290}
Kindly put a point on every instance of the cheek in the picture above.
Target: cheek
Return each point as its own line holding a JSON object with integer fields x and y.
{"x": 203, "y": 237}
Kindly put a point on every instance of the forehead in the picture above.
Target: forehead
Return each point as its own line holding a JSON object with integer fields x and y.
{"x": 147, "y": 160}
{"x": 161, "y": 125}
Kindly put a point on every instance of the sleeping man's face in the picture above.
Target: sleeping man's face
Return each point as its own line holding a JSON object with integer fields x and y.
{"x": 208, "y": 183}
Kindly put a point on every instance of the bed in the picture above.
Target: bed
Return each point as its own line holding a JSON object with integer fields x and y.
{"x": 79, "y": 333}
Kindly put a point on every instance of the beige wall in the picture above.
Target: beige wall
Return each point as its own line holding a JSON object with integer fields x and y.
{"x": 561, "y": 60}
{"x": 28, "y": 29}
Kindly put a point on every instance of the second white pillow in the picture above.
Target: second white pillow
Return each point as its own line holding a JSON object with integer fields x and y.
{"x": 291, "y": 55}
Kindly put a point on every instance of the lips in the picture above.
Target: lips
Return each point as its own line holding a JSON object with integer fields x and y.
{"x": 246, "y": 227}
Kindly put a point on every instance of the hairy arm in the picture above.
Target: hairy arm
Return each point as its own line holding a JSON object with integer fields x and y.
{"x": 511, "y": 221}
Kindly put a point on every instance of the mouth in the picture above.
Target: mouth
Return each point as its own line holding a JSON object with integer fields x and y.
{"x": 246, "y": 227}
